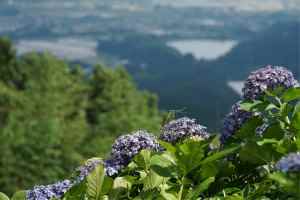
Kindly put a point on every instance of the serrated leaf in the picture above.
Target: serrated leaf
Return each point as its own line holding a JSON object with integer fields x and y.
{"x": 152, "y": 181}
{"x": 3, "y": 196}
{"x": 95, "y": 182}
{"x": 190, "y": 154}
{"x": 143, "y": 159}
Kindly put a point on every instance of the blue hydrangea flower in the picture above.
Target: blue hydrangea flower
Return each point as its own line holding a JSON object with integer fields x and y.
{"x": 289, "y": 163}
{"x": 126, "y": 147}
{"x": 113, "y": 166}
{"x": 48, "y": 192}
{"x": 234, "y": 121}
{"x": 183, "y": 128}
{"x": 86, "y": 169}
{"x": 267, "y": 78}
{"x": 57, "y": 190}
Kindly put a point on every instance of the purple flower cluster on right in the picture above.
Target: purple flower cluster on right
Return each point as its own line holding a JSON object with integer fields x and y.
{"x": 257, "y": 83}
{"x": 289, "y": 163}
{"x": 268, "y": 78}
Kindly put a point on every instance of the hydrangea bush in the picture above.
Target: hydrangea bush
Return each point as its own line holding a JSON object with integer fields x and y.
{"x": 256, "y": 156}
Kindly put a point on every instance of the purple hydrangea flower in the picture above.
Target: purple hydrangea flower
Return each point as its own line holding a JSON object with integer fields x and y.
{"x": 267, "y": 78}
{"x": 234, "y": 121}
{"x": 113, "y": 166}
{"x": 48, "y": 192}
{"x": 126, "y": 147}
{"x": 86, "y": 169}
{"x": 289, "y": 163}
{"x": 181, "y": 129}
{"x": 58, "y": 189}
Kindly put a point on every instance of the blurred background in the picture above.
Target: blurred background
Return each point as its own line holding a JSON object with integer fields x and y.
{"x": 75, "y": 74}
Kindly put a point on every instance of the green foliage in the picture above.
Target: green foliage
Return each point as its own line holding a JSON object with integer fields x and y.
{"x": 242, "y": 168}
{"x": 59, "y": 114}
{"x": 3, "y": 196}
{"x": 53, "y": 115}
{"x": 115, "y": 106}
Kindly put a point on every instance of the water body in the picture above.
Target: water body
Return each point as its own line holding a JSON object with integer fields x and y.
{"x": 204, "y": 48}
{"x": 236, "y": 86}
{"x": 67, "y": 48}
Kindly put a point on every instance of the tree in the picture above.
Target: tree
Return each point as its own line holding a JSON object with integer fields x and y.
{"x": 46, "y": 124}
{"x": 53, "y": 114}
{"x": 116, "y": 106}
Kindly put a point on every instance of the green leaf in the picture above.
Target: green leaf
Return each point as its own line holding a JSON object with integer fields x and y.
{"x": 274, "y": 131}
{"x": 77, "y": 192}
{"x": 95, "y": 182}
{"x": 120, "y": 185}
{"x": 209, "y": 170}
{"x": 21, "y": 195}
{"x": 168, "y": 196}
{"x": 255, "y": 154}
{"x": 248, "y": 130}
{"x": 220, "y": 154}
{"x": 3, "y": 196}
{"x": 152, "y": 181}
{"x": 107, "y": 185}
{"x": 291, "y": 94}
{"x": 281, "y": 179}
{"x": 194, "y": 194}
{"x": 169, "y": 147}
{"x": 143, "y": 159}
{"x": 164, "y": 165}
{"x": 267, "y": 141}
{"x": 296, "y": 117}
{"x": 190, "y": 154}
{"x": 249, "y": 105}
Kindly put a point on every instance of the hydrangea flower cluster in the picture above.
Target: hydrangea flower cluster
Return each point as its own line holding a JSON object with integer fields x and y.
{"x": 256, "y": 84}
{"x": 126, "y": 147}
{"x": 289, "y": 163}
{"x": 86, "y": 169}
{"x": 267, "y": 78}
{"x": 57, "y": 190}
{"x": 234, "y": 121}
{"x": 48, "y": 192}
{"x": 181, "y": 129}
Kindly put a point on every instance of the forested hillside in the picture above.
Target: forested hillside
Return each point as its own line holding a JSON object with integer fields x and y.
{"x": 198, "y": 87}
{"x": 53, "y": 115}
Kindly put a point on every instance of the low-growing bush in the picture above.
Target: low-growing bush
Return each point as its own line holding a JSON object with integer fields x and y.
{"x": 256, "y": 156}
